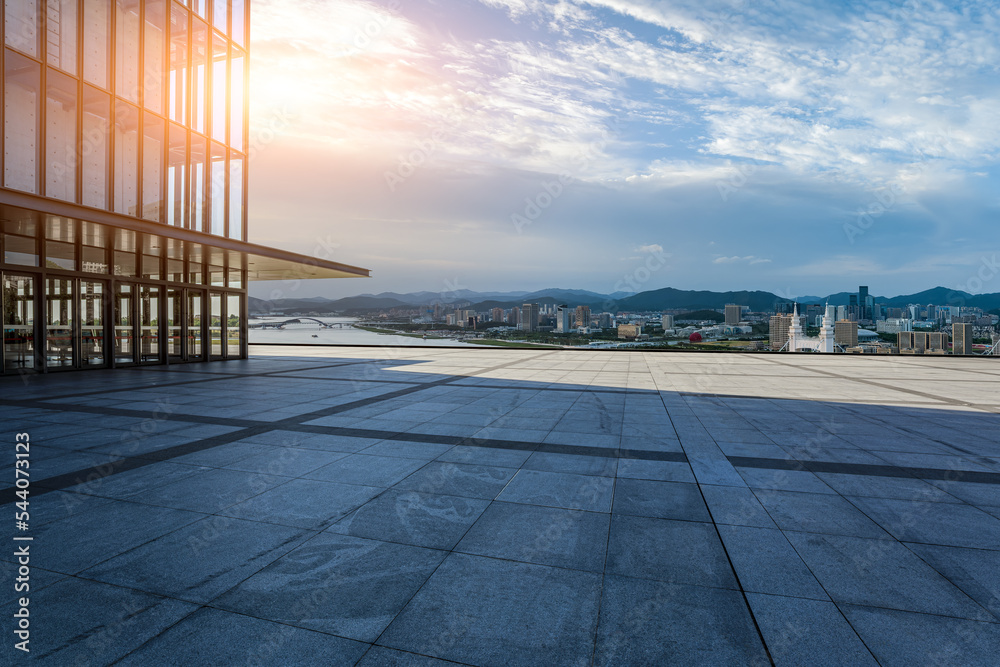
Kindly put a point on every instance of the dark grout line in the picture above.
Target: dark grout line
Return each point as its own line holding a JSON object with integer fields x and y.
{"x": 117, "y": 465}
{"x": 867, "y": 469}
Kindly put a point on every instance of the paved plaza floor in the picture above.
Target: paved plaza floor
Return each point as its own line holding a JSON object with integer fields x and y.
{"x": 390, "y": 506}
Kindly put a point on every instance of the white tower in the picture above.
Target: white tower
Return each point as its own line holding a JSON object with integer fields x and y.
{"x": 795, "y": 331}
{"x": 826, "y": 333}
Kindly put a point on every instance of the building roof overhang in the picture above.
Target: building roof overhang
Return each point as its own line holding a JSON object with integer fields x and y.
{"x": 261, "y": 262}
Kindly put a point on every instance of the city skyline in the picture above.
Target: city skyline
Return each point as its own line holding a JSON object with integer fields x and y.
{"x": 792, "y": 149}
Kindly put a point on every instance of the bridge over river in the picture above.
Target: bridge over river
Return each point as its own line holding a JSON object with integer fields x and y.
{"x": 299, "y": 320}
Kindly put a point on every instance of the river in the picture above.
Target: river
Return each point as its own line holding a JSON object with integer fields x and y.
{"x": 311, "y": 333}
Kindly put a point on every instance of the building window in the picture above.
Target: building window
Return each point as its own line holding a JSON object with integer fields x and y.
{"x": 220, "y": 15}
{"x": 236, "y": 196}
{"x": 96, "y": 40}
{"x": 124, "y": 321}
{"x": 200, "y": 59}
{"x": 234, "y": 325}
{"x": 220, "y": 87}
{"x": 21, "y": 120}
{"x": 152, "y": 253}
{"x": 196, "y": 304}
{"x": 94, "y": 248}
{"x": 127, "y": 51}
{"x": 152, "y": 167}
{"x": 239, "y": 22}
{"x": 126, "y": 165}
{"x": 19, "y": 245}
{"x": 21, "y": 21}
{"x": 154, "y": 46}
{"x": 175, "y": 301}
{"x": 178, "y": 64}
{"x": 92, "y": 323}
{"x": 199, "y": 157}
{"x": 18, "y": 322}
{"x": 124, "y": 252}
{"x": 177, "y": 163}
{"x": 236, "y": 96}
{"x": 59, "y": 323}
{"x": 61, "y": 26}
{"x": 218, "y": 190}
{"x": 61, "y": 156}
{"x": 215, "y": 325}
{"x": 95, "y": 147}
{"x": 149, "y": 323}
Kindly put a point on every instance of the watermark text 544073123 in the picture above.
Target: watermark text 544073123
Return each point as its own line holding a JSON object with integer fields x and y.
{"x": 22, "y": 541}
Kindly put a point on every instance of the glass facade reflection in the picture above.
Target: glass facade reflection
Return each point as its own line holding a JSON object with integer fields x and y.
{"x": 123, "y": 185}
{"x": 121, "y": 106}
{"x": 141, "y": 81}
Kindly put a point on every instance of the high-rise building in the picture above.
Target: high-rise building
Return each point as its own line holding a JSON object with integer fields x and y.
{"x": 667, "y": 321}
{"x": 605, "y": 320}
{"x": 734, "y": 314}
{"x": 866, "y": 303}
{"x": 565, "y": 319}
{"x": 779, "y": 326}
{"x": 124, "y": 186}
{"x": 845, "y": 333}
{"x": 583, "y": 316}
{"x": 629, "y": 331}
{"x": 961, "y": 336}
{"x": 514, "y": 316}
{"x": 529, "y": 317}
{"x": 496, "y": 315}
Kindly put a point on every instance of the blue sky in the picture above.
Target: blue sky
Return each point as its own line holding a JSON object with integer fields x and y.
{"x": 793, "y": 147}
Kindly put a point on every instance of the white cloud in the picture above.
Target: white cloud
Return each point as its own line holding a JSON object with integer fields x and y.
{"x": 735, "y": 259}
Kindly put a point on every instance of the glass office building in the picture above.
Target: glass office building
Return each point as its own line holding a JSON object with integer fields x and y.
{"x": 124, "y": 185}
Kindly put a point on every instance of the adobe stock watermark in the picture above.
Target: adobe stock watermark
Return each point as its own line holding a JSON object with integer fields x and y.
{"x": 633, "y": 281}
{"x": 366, "y": 36}
{"x": 885, "y": 200}
{"x": 988, "y": 270}
{"x": 408, "y": 165}
{"x": 553, "y": 189}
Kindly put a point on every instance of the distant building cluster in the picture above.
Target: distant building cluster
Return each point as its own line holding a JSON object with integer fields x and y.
{"x": 862, "y": 326}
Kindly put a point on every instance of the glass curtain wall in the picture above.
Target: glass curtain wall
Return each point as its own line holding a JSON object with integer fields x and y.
{"x": 233, "y": 325}
{"x": 59, "y": 323}
{"x": 18, "y": 322}
{"x": 137, "y": 108}
{"x": 92, "y": 323}
{"x": 215, "y": 325}
{"x": 134, "y": 105}
{"x": 196, "y": 307}
{"x": 175, "y": 321}
{"x": 124, "y": 324}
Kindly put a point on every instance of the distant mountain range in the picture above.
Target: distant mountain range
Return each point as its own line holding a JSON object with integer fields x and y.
{"x": 667, "y": 298}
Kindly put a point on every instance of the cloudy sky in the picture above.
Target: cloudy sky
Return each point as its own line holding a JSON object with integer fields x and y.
{"x": 798, "y": 147}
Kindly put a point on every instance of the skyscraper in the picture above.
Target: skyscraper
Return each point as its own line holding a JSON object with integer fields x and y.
{"x": 866, "y": 303}
{"x": 565, "y": 319}
{"x": 734, "y": 314}
{"x": 583, "y": 316}
{"x": 529, "y": 317}
{"x": 779, "y": 326}
{"x": 846, "y": 333}
{"x": 124, "y": 185}
{"x": 961, "y": 337}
